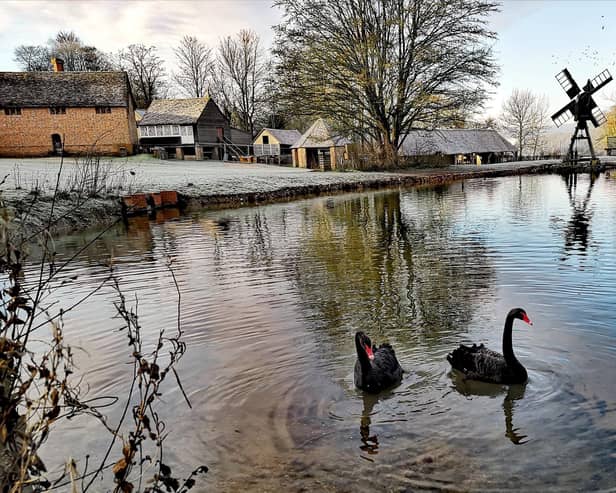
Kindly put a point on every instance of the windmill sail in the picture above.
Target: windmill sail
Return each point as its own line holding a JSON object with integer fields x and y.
{"x": 567, "y": 83}
{"x": 564, "y": 114}
{"x": 598, "y": 117}
{"x": 600, "y": 80}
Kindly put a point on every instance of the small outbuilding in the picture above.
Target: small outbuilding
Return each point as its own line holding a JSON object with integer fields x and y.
{"x": 275, "y": 143}
{"x": 320, "y": 147}
{"x": 456, "y": 146}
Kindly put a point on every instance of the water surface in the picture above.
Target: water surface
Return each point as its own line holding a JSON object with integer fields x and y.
{"x": 271, "y": 299}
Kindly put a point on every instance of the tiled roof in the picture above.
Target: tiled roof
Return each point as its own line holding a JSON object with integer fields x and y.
{"x": 174, "y": 111}
{"x": 454, "y": 141}
{"x": 285, "y": 137}
{"x": 42, "y": 89}
{"x": 319, "y": 135}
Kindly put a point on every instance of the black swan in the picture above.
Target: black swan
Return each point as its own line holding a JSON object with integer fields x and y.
{"x": 375, "y": 369}
{"x": 480, "y": 363}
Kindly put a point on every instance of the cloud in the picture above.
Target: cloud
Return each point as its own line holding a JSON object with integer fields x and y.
{"x": 111, "y": 25}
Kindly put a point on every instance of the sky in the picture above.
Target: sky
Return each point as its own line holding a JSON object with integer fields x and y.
{"x": 536, "y": 38}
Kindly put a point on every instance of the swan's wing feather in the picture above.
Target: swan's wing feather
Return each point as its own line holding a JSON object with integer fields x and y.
{"x": 476, "y": 361}
{"x": 386, "y": 364}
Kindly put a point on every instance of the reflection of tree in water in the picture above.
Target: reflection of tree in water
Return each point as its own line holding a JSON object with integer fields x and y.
{"x": 577, "y": 231}
{"x": 512, "y": 393}
{"x": 375, "y": 264}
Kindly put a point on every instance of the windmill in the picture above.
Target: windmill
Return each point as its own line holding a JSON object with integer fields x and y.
{"x": 582, "y": 107}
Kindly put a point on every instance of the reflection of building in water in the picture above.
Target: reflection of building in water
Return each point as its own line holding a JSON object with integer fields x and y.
{"x": 577, "y": 231}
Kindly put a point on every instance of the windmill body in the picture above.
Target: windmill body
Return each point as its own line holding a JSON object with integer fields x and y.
{"x": 582, "y": 108}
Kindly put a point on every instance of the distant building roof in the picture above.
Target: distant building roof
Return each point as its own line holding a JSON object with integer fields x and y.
{"x": 319, "y": 135}
{"x": 43, "y": 89}
{"x": 174, "y": 111}
{"x": 285, "y": 137}
{"x": 454, "y": 141}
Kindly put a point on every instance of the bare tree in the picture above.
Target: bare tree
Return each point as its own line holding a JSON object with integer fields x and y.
{"x": 32, "y": 58}
{"x": 195, "y": 66}
{"x": 67, "y": 46}
{"x": 377, "y": 68}
{"x": 539, "y": 125}
{"x": 241, "y": 77}
{"x": 77, "y": 56}
{"x": 524, "y": 118}
{"x": 145, "y": 71}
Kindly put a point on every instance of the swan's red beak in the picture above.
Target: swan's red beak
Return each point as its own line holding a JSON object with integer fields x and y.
{"x": 526, "y": 319}
{"x": 369, "y": 352}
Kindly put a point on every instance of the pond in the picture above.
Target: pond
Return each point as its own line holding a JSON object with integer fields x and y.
{"x": 272, "y": 297}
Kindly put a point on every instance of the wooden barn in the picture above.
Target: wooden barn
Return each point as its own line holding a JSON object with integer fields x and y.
{"x": 43, "y": 113}
{"x": 189, "y": 127}
{"x": 320, "y": 147}
{"x": 275, "y": 144}
{"x": 456, "y": 146}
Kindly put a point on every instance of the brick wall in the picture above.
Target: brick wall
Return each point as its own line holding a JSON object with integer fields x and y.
{"x": 29, "y": 134}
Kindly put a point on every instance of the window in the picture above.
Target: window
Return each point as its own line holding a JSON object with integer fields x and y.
{"x": 265, "y": 139}
{"x": 12, "y": 111}
{"x": 167, "y": 130}
{"x": 159, "y": 130}
{"x": 176, "y": 130}
{"x": 57, "y": 110}
{"x": 103, "y": 109}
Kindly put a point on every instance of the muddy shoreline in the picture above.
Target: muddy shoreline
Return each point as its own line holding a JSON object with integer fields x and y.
{"x": 71, "y": 214}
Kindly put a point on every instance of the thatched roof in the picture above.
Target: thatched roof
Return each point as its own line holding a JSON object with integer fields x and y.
{"x": 320, "y": 135}
{"x": 174, "y": 111}
{"x": 73, "y": 89}
{"x": 285, "y": 137}
{"x": 454, "y": 141}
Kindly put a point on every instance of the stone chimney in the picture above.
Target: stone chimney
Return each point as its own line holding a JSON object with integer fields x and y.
{"x": 57, "y": 64}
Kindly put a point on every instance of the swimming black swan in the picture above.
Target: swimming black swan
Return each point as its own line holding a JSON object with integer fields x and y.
{"x": 480, "y": 363}
{"x": 375, "y": 369}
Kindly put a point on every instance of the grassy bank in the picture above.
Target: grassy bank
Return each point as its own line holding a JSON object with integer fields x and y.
{"x": 90, "y": 190}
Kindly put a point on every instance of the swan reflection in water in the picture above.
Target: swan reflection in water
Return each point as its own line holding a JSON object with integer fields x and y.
{"x": 370, "y": 442}
{"x": 512, "y": 393}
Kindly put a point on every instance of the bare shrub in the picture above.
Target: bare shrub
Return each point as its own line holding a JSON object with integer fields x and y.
{"x": 94, "y": 176}
{"x": 38, "y": 385}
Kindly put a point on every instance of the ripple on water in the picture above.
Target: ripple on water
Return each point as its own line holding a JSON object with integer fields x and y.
{"x": 271, "y": 298}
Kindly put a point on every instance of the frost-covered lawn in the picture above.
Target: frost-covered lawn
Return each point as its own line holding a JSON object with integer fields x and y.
{"x": 195, "y": 178}
{"x": 143, "y": 173}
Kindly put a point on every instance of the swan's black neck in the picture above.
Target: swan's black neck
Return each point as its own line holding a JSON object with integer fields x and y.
{"x": 362, "y": 356}
{"x": 507, "y": 341}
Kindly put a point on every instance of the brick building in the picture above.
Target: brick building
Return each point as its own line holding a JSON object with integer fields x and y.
{"x": 88, "y": 110}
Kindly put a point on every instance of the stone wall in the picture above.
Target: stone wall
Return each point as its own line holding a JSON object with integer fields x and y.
{"x": 29, "y": 134}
